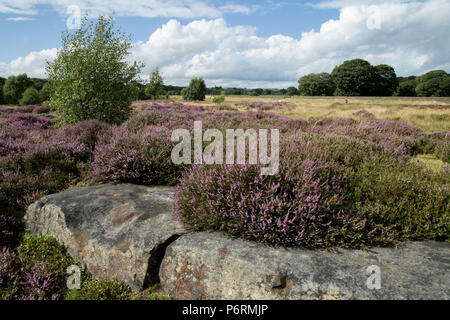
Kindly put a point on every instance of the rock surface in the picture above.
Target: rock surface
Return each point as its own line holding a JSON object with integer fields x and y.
{"x": 115, "y": 230}
{"x": 213, "y": 266}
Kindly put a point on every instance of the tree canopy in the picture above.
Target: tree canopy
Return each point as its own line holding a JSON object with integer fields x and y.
{"x": 316, "y": 84}
{"x": 90, "y": 77}
{"x": 14, "y": 88}
{"x": 196, "y": 90}
{"x": 155, "y": 87}
{"x": 435, "y": 83}
{"x": 354, "y": 78}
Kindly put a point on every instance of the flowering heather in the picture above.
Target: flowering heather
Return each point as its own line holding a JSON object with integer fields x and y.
{"x": 364, "y": 114}
{"x": 265, "y": 106}
{"x": 25, "y": 121}
{"x": 304, "y": 205}
{"x": 174, "y": 116}
{"x": 331, "y": 191}
{"x": 143, "y": 157}
{"x": 439, "y": 144}
{"x": 25, "y": 280}
{"x": 395, "y": 137}
{"x": 342, "y": 182}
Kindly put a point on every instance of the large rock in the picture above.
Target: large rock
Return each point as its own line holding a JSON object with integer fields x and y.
{"x": 115, "y": 230}
{"x": 213, "y": 266}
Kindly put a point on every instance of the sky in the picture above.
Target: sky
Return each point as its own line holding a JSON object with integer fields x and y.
{"x": 265, "y": 43}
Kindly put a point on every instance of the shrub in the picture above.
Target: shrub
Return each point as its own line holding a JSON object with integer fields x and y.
{"x": 331, "y": 191}
{"x": 155, "y": 87}
{"x": 90, "y": 77}
{"x": 219, "y": 99}
{"x": 24, "y": 280}
{"x": 35, "y": 165}
{"x": 30, "y": 96}
{"x": 438, "y": 143}
{"x": 143, "y": 157}
{"x": 25, "y": 121}
{"x": 41, "y": 109}
{"x": 297, "y": 207}
{"x": 195, "y": 91}
{"x": 44, "y": 248}
{"x": 100, "y": 290}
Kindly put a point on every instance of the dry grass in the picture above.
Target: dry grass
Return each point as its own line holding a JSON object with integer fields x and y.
{"x": 431, "y": 114}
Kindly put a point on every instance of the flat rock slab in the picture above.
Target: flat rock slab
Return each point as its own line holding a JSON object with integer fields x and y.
{"x": 213, "y": 266}
{"x": 115, "y": 230}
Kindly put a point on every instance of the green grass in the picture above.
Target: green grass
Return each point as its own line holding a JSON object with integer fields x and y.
{"x": 431, "y": 161}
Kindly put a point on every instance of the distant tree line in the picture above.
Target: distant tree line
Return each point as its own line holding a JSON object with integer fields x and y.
{"x": 355, "y": 77}
{"x": 21, "y": 90}
{"x": 213, "y": 91}
{"x": 358, "y": 77}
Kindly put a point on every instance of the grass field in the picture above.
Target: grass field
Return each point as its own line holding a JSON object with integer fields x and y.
{"x": 431, "y": 114}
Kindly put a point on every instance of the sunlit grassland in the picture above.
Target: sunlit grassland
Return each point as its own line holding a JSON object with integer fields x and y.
{"x": 431, "y": 114}
{"x": 431, "y": 161}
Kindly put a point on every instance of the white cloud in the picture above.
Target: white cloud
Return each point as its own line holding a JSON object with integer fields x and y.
{"x": 412, "y": 37}
{"x": 19, "y": 19}
{"x": 33, "y": 64}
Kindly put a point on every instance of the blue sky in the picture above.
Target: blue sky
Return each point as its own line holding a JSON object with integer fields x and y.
{"x": 242, "y": 43}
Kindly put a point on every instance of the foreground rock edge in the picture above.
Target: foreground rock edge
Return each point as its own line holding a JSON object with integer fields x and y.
{"x": 213, "y": 266}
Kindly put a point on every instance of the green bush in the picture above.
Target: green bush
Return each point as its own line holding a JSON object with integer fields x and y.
{"x": 90, "y": 78}
{"x": 14, "y": 87}
{"x": 30, "y": 96}
{"x": 195, "y": 91}
{"x": 45, "y": 248}
{"x": 100, "y": 290}
{"x": 219, "y": 99}
{"x": 155, "y": 88}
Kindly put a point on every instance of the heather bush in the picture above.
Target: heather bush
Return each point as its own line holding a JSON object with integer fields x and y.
{"x": 143, "y": 157}
{"x": 85, "y": 134}
{"x": 39, "y": 163}
{"x": 407, "y": 199}
{"x": 26, "y": 280}
{"x": 331, "y": 191}
{"x": 304, "y": 204}
{"x": 174, "y": 116}
{"x": 219, "y": 99}
{"x": 438, "y": 143}
{"x": 395, "y": 137}
{"x": 25, "y": 121}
